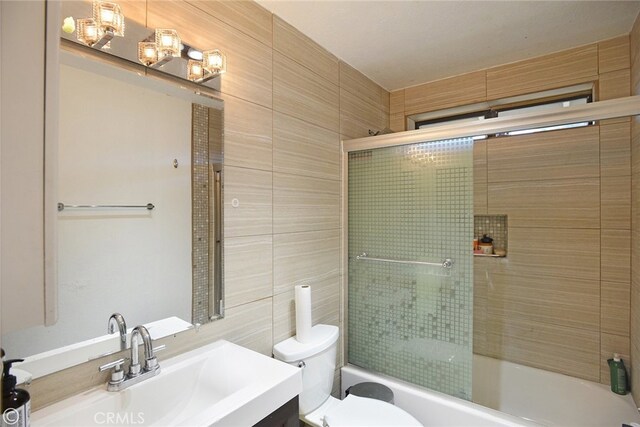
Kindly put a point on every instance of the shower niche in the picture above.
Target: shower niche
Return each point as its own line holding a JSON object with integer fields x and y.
{"x": 495, "y": 227}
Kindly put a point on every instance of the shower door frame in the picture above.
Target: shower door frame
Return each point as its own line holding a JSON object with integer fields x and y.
{"x": 601, "y": 110}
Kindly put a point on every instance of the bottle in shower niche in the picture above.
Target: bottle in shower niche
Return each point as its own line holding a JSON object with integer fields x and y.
{"x": 486, "y": 244}
{"x": 618, "y": 375}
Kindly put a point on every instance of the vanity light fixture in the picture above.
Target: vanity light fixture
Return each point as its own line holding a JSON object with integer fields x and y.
{"x": 107, "y": 22}
{"x": 213, "y": 63}
{"x": 160, "y": 48}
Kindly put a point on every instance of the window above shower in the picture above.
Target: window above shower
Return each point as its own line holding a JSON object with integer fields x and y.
{"x": 533, "y": 103}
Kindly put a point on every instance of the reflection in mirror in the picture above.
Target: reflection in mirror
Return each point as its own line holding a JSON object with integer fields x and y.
{"x": 131, "y": 140}
{"x": 178, "y": 59}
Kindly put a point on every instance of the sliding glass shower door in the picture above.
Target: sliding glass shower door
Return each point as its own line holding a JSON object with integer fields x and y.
{"x": 410, "y": 288}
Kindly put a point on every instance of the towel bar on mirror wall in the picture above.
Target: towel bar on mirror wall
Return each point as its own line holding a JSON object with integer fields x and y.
{"x": 447, "y": 263}
{"x": 62, "y": 206}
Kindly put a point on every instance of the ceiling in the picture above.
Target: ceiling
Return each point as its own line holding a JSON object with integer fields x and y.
{"x": 399, "y": 43}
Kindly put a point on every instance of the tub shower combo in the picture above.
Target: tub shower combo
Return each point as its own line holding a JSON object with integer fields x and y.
{"x": 410, "y": 300}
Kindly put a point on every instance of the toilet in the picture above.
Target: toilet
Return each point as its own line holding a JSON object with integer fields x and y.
{"x": 317, "y": 359}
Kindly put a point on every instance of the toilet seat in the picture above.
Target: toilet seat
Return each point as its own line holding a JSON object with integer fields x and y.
{"x": 362, "y": 411}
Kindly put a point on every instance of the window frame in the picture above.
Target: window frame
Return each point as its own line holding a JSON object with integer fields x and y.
{"x": 493, "y": 112}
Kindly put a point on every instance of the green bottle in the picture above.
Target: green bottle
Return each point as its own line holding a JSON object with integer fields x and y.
{"x": 618, "y": 375}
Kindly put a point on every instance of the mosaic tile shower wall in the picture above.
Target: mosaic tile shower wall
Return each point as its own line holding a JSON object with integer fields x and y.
{"x": 413, "y": 322}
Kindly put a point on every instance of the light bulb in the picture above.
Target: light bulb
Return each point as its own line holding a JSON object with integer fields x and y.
{"x": 106, "y": 16}
{"x": 167, "y": 40}
{"x": 194, "y": 54}
{"x": 69, "y": 25}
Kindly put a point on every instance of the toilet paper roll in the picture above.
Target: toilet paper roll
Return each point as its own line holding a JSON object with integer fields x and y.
{"x": 303, "y": 313}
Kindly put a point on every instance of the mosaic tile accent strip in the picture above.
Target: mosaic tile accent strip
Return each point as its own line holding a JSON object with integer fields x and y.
{"x": 200, "y": 212}
{"x": 495, "y": 226}
{"x": 413, "y": 322}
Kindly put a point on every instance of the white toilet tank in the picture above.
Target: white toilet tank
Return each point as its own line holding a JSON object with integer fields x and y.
{"x": 318, "y": 357}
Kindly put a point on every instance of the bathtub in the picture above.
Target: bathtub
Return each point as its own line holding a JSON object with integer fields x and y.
{"x": 508, "y": 394}
{"x": 548, "y": 398}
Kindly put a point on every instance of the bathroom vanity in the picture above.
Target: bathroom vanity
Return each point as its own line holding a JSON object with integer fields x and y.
{"x": 218, "y": 384}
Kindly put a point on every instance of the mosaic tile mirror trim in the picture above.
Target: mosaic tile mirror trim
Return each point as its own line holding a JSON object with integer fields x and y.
{"x": 200, "y": 212}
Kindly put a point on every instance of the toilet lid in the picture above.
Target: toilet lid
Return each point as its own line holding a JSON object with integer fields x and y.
{"x": 362, "y": 411}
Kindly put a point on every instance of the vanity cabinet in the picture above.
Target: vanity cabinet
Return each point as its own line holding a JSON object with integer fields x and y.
{"x": 29, "y": 43}
{"x": 284, "y": 416}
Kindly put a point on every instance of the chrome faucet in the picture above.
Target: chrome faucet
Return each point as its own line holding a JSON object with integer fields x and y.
{"x": 120, "y": 381}
{"x": 117, "y": 323}
{"x": 150, "y": 361}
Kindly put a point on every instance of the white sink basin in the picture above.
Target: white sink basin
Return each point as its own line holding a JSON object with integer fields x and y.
{"x": 219, "y": 384}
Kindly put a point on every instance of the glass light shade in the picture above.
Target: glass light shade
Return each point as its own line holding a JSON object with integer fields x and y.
{"x": 168, "y": 43}
{"x": 147, "y": 53}
{"x": 109, "y": 17}
{"x": 215, "y": 62}
{"x": 88, "y": 31}
{"x": 195, "y": 71}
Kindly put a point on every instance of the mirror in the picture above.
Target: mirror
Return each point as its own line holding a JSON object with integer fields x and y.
{"x": 140, "y": 216}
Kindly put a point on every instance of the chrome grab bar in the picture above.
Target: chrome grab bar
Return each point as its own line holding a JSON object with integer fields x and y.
{"x": 62, "y": 206}
{"x": 447, "y": 263}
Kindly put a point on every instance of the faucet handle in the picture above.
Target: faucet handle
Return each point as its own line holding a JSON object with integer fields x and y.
{"x": 152, "y": 363}
{"x": 117, "y": 375}
{"x": 115, "y": 364}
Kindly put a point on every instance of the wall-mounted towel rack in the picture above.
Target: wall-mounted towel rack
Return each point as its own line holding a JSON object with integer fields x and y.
{"x": 447, "y": 263}
{"x": 62, "y": 206}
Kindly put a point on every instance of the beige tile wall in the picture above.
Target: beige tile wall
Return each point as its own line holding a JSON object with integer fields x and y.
{"x": 288, "y": 103}
{"x": 635, "y": 215}
{"x": 563, "y": 292}
{"x": 604, "y": 63}
{"x": 446, "y": 93}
